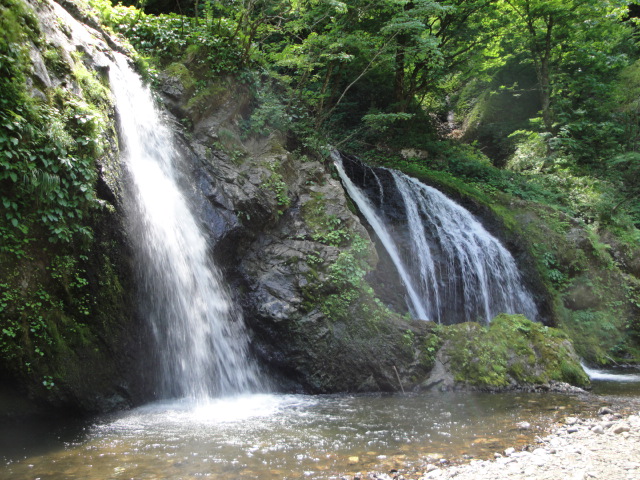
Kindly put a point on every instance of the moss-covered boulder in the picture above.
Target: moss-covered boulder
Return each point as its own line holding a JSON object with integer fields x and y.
{"x": 511, "y": 351}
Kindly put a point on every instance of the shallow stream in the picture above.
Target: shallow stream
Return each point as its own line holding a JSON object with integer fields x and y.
{"x": 285, "y": 436}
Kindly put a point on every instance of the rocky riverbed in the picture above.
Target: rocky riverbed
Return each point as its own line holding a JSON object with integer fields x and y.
{"x": 605, "y": 447}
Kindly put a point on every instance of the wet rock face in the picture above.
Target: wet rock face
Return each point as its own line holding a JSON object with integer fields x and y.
{"x": 275, "y": 221}
{"x": 380, "y": 188}
{"x": 264, "y": 247}
{"x": 443, "y": 249}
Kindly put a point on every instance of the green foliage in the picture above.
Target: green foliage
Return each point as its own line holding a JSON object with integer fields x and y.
{"x": 344, "y": 294}
{"x": 381, "y": 121}
{"x": 342, "y": 288}
{"x": 530, "y": 153}
{"x": 41, "y": 316}
{"x": 51, "y": 138}
{"x": 465, "y": 170}
{"x": 431, "y": 344}
{"x": 327, "y": 229}
{"x": 271, "y": 112}
{"x": 555, "y": 276}
{"x": 47, "y": 149}
{"x": 597, "y": 335}
{"x": 48, "y": 382}
{"x": 218, "y": 40}
{"x": 275, "y": 183}
{"x": 348, "y": 271}
{"x": 25, "y": 330}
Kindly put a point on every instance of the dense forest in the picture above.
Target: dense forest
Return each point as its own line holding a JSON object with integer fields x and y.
{"x": 528, "y": 109}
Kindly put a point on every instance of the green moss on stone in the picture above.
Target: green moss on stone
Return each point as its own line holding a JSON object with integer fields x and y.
{"x": 180, "y": 71}
{"x": 511, "y": 350}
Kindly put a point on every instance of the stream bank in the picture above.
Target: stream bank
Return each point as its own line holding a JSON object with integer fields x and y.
{"x": 600, "y": 443}
{"x": 602, "y": 448}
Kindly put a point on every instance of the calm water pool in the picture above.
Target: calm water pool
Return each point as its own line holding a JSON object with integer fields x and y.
{"x": 280, "y": 436}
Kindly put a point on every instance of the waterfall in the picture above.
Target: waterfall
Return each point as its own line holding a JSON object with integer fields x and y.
{"x": 201, "y": 342}
{"x": 369, "y": 212}
{"x": 452, "y": 268}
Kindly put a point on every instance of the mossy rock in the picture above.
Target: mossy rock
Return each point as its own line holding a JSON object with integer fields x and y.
{"x": 510, "y": 351}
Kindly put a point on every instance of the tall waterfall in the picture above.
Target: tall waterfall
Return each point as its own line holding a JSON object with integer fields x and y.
{"x": 201, "y": 341}
{"x": 452, "y": 268}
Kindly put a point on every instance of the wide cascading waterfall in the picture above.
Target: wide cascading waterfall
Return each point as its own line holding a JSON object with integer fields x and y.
{"x": 201, "y": 342}
{"x": 454, "y": 270}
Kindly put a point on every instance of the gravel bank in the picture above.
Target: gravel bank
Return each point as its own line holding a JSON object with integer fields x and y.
{"x": 605, "y": 448}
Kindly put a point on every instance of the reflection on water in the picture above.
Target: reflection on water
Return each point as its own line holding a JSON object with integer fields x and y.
{"x": 287, "y": 436}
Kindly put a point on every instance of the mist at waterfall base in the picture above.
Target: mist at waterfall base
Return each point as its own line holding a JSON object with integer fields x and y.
{"x": 452, "y": 268}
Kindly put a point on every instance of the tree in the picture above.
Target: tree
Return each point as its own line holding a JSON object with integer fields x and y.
{"x": 436, "y": 38}
{"x": 547, "y": 30}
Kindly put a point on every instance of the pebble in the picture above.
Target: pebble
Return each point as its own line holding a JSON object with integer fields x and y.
{"x": 383, "y": 476}
{"x": 604, "y": 448}
{"x": 539, "y": 461}
{"x": 571, "y": 420}
{"x": 523, "y": 425}
{"x": 620, "y": 428}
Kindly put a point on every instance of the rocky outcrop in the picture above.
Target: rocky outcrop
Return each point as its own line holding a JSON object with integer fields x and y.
{"x": 300, "y": 261}
{"x": 70, "y": 336}
{"x": 281, "y": 228}
{"x": 510, "y": 353}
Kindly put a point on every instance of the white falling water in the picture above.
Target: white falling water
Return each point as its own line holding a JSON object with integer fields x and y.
{"x": 201, "y": 342}
{"x": 610, "y": 376}
{"x": 367, "y": 209}
{"x": 453, "y": 269}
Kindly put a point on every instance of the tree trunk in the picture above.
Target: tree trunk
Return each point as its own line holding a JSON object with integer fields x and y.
{"x": 398, "y": 83}
{"x": 545, "y": 95}
{"x": 399, "y": 90}
{"x": 545, "y": 78}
